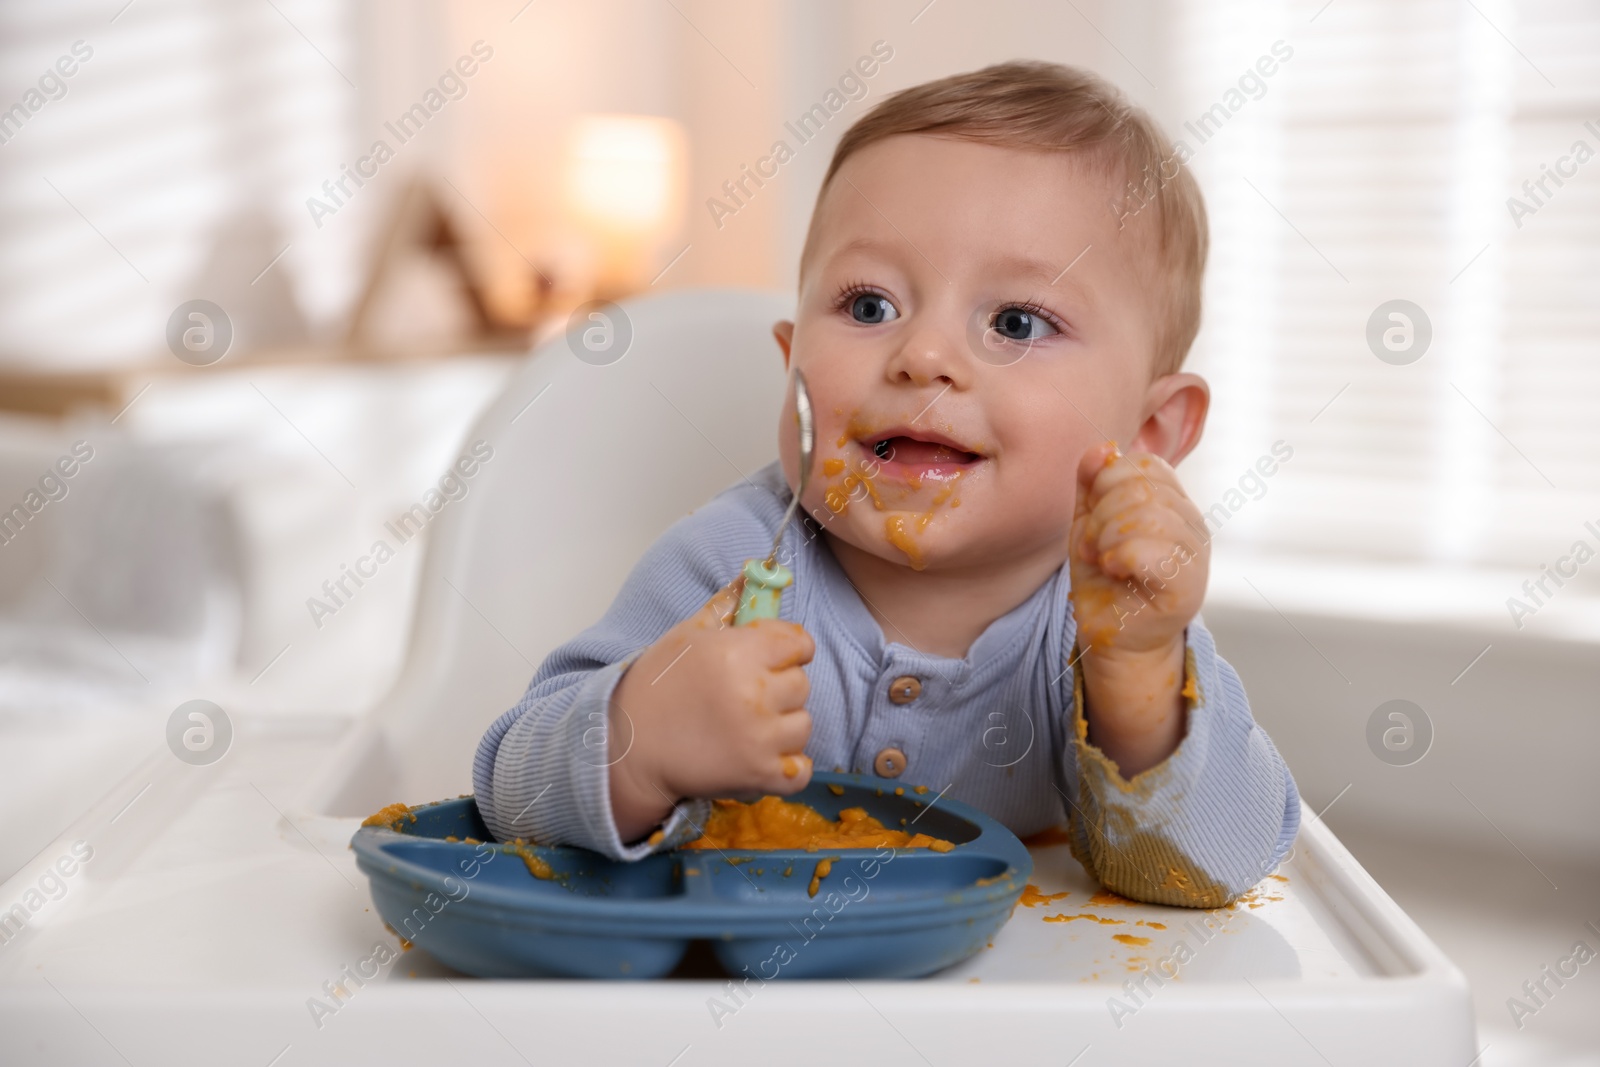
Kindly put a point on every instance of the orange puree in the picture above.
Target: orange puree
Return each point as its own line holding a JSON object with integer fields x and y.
{"x": 1130, "y": 939}
{"x": 1106, "y": 896}
{"x": 390, "y": 816}
{"x": 1032, "y": 897}
{"x": 894, "y": 527}
{"x": 1093, "y": 918}
{"x": 1098, "y": 601}
{"x": 823, "y": 867}
{"x": 1054, "y": 835}
{"x": 837, "y": 497}
{"x": 872, "y": 490}
{"x": 535, "y": 864}
{"x": 773, "y": 822}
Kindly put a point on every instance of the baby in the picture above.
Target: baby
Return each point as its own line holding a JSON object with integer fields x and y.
{"x": 996, "y": 571}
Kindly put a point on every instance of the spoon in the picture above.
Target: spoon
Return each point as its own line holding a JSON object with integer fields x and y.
{"x": 808, "y": 445}
{"x": 765, "y": 580}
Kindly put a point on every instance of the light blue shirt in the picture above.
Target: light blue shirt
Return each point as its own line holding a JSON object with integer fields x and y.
{"x": 1000, "y": 729}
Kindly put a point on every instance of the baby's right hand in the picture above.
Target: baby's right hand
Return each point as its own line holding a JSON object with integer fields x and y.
{"x": 710, "y": 709}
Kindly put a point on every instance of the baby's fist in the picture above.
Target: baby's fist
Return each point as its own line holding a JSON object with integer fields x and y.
{"x": 1138, "y": 552}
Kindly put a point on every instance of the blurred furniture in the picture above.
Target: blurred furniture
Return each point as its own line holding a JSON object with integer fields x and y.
{"x": 419, "y": 224}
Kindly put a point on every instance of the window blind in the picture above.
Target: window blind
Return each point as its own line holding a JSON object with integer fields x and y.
{"x": 173, "y": 161}
{"x": 1377, "y": 165}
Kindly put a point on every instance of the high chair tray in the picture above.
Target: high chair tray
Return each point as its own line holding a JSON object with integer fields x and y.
{"x": 216, "y": 922}
{"x": 509, "y": 910}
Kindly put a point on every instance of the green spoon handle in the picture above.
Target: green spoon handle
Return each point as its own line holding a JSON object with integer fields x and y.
{"x": 762, "y": 590}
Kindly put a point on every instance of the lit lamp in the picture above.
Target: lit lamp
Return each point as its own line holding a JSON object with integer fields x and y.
{"x": 624, "y": 185}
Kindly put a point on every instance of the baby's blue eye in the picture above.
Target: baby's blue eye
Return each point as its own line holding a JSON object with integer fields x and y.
{"x": 872, "y": 309}
{"x": 1019, "y": 324}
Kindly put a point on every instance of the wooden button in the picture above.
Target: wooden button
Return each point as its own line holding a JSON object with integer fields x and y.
{"x": 904, "y": 689}
{"x": 891, "y": 762}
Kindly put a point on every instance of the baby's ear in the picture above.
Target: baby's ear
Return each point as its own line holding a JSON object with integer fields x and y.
{"x": 1175, "y": 415}
{"x": 783, "y": 330}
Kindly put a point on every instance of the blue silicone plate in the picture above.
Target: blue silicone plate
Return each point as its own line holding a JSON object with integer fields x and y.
{"x": 878, "y": 913}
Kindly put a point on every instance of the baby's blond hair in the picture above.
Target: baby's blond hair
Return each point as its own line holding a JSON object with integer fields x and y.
{"x": 1048, "y": 106}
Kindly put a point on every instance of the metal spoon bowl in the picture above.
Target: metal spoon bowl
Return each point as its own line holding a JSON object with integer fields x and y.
{"x": 808, "y": 444}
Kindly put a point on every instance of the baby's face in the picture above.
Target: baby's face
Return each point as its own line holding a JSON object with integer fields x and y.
{"x": 971, "y": 320}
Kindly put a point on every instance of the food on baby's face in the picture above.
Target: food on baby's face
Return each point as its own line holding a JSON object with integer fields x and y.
{"x": 908, "y": 458}
{"x": 773, "y": 822}
{"x": 894, "y": 528}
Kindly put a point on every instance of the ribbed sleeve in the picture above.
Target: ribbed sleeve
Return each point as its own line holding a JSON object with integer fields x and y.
{"x": 542, "y": 771}
{"x": 1204, "y": 825}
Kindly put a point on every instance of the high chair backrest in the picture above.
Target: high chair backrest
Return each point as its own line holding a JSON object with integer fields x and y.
{"x": 574, "y": 470}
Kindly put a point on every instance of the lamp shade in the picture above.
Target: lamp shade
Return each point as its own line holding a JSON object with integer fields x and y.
{"x": 624, "y": 174}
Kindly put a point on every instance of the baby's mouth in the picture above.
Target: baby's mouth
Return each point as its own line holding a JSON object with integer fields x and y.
{"x": 909, "y": 452}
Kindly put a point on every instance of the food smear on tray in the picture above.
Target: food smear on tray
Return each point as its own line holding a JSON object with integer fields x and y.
{"x": 1033, "y": 896}
{"x": 772, "y": 823}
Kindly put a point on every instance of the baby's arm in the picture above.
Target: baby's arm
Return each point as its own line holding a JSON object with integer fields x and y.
{"x": 1182, "y": 799}
{"x": 710, "y": 709}
{"x": 1203, "y": 826}
{"x": 548, "y": 769}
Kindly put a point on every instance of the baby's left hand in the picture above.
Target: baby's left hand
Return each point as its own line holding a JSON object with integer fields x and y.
{"x": 1139, "y": 558}
{"x": 1139, "y": 553}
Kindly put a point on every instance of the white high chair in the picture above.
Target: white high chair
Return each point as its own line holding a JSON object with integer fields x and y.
{"x": 221, "y": 905}
{"x": 591, "y": 463}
